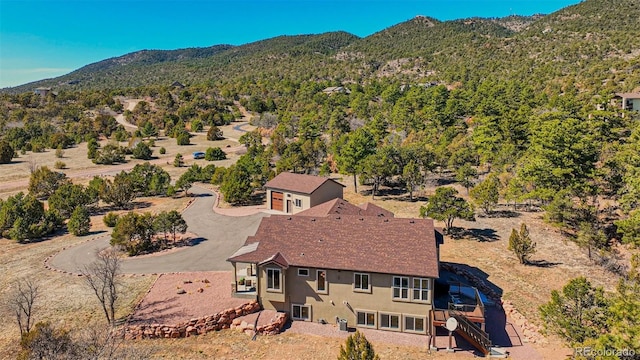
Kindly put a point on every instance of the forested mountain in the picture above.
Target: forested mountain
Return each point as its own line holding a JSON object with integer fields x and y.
{"x": 594, "y": 44}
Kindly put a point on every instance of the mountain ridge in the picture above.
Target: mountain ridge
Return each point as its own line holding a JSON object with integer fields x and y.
{"x": 578, "y": 44}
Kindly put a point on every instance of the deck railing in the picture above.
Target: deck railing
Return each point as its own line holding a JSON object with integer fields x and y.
{"x": 472, "y": 330}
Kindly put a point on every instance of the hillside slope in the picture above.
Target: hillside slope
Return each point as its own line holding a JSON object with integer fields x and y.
{"x": 594, "y": 45}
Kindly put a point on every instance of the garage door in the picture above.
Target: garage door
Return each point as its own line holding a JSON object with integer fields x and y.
{"x": 276, "y": 201}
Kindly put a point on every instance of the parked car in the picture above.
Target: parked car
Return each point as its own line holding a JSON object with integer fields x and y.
{"x": 198, "y": 155}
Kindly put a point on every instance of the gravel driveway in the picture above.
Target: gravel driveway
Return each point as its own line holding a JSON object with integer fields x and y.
{"x": 219, "y": 236}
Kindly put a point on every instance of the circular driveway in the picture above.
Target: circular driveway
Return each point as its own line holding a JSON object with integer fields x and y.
{"x": 219, "y": 236}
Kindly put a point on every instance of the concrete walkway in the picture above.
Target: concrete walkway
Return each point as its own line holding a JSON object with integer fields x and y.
{"x": 219, "y": 236}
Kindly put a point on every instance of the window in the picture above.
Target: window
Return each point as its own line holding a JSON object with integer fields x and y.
{"x": 298, "y": 202}
{"x": 414, "y": 324}
{"x": 301, "y": 312}
{"x": 321, "y": 281}
{"x": 366, "y": 318}
{"x": 273, "y": 279}
{"x": 420, "y": 289}
{"x": 303, "y": 272}
{"x": 390, "y": 321}
{"x": 361, "y": 282}
{"x": 400, "y": 287}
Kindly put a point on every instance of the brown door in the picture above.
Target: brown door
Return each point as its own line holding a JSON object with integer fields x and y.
{"x": 288, "y": 206}
{"x": 276, "y": 201}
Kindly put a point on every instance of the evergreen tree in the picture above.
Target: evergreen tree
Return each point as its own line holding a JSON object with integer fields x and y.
{"x": 357, "y": 347}
{"x": 178, "y": 161}
{"x": 79, "y": 224}
{"x": 445, "y": 206}
{"x": 486, "y": 193}
{"x": 578, "y": 313}
{"x": 521, "y": 244}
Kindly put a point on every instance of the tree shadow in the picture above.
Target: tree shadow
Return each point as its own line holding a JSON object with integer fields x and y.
{"x": 542, "y": 263}
{"x": 140, "y": 205}
{"x": 502, "y": 214}
{"x": 482, "y": 235}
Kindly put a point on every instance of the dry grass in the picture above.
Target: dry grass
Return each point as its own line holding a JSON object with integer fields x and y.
{"x": 229, "y": 344}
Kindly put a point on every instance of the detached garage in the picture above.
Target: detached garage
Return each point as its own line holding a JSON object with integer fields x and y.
{"x": 276, "y": 201}
{"x": 291, "y": 193}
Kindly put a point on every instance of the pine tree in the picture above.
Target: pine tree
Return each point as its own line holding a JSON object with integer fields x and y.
{"x": 521, "y": 244}
{"x": 357, "y": 347}
{"x": 79, "y": 223}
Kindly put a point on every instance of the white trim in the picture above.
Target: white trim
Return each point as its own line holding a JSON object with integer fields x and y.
{"x": 305, "y": 269}
{"x": 404, "y": 323}
{"x": 400, "y": 288}
{"x": 326, "y": 281}
{"x": 301, "y": 306}
{"x": 279, "y": 288}
{"x": 390, "y": 314}
{"x": 420, "y": 289}
{"x": 368, "y": 289}
{"x": 366, "y": 313}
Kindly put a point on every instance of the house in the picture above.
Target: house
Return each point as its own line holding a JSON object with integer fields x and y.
{"x": 42, "y": 91}
{"x": 177, "y": 85}
{"x": 343, "y": 262}
{"x": 336, "y": 90}
{"x": 628, "y": 101}
{"x": 292, "y": 193}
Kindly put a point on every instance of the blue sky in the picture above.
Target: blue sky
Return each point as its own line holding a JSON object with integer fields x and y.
{"x": 47, "y": 38}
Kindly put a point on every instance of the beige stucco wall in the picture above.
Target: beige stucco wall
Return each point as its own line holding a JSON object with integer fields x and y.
{"x": 289, "y": 196}
{"x": 327, "y": 191}
{"x": 340, "y": 300}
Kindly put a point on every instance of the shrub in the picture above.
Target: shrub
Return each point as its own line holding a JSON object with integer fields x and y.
{"x": 213, "y": 154}
{"x": 357, "y": 347}
{"x": 59, "y": 152}
{"x": 79, "y": 224}
{"x": 521, "y": 244}
{"x": 178, "y": 161}
{"x": 214, "y": 133}
{"x": 6, "y": 152}
{"x": 59, "y": 165}
{"x": 183, "y": 138}
{"x": 163, "y": 151}
{"x": 142, "y": 151}
{"x": 110, "y": 219}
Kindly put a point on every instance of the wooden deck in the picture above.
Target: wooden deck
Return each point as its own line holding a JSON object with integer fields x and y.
{"x": 440, "y": 316}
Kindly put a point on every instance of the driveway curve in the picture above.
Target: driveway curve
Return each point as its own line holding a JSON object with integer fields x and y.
{"x": 219, "y": 236}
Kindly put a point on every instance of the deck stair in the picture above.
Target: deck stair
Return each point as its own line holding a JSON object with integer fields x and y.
{"x": 472, "y": 333}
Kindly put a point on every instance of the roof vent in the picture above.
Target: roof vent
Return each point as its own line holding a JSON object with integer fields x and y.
{"x": 361, "y": 219}
{"x": 301, "y": 254}
{"x": 386, "y": 220}
{"x": 411, "y": 221}
{"x": 314, "y": 219}
{"x": 337, "y": 217}
{"x": 289, "y": 218}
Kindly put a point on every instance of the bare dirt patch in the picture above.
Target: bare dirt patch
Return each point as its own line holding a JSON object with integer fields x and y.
{"x": 179, "y": 297}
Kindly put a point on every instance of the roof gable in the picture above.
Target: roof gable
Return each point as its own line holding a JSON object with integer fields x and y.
{"x": 343, "y": 207}
{"x": 299, "y": 183}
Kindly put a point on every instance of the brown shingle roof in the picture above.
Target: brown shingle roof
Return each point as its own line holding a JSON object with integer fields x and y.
{"x": 300, "y": 183}
{"x": 342, "y": 207}
{"x": 356, "y": 243}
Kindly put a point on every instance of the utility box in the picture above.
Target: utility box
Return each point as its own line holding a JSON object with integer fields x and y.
{"x": 343, "y": 325}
